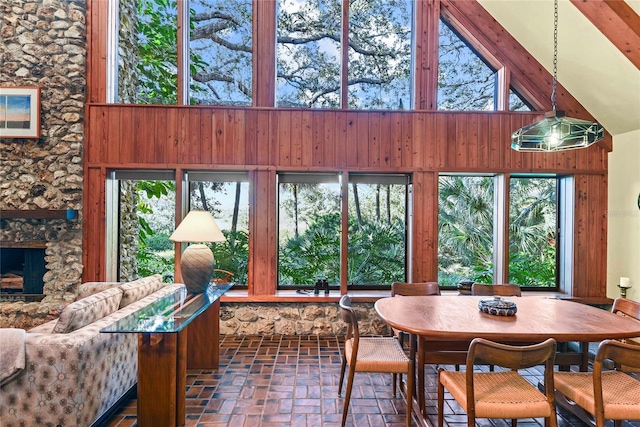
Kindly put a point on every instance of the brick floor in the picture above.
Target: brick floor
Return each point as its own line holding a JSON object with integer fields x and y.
{"x": 293, "y": 381}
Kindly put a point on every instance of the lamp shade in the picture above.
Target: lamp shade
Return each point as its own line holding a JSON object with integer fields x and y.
{"x": 555, "y": 133}
{"x": 198, "y": 226}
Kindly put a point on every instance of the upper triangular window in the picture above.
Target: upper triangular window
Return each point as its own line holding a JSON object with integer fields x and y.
{"x": 465, "y": 80}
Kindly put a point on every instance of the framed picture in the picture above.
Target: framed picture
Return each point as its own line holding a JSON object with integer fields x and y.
{"x": 20, "y": 112}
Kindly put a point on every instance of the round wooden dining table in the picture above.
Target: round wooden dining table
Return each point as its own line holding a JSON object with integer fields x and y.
{"x": 453, "y": 318}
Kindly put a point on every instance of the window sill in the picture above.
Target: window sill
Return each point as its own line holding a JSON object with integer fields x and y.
{"x": 242, "y": 295}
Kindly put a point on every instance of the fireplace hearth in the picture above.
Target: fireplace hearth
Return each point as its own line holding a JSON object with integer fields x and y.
{"x": 22, "y": 267}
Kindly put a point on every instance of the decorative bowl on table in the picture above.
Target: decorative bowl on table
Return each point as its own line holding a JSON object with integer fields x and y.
{"x": 497, "y": 306}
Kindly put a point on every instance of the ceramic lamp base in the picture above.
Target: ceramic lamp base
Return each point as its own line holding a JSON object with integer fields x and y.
{"x": 196, "y": 266}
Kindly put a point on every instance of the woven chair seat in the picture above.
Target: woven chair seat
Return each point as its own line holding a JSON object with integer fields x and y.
{"x": 621, "y": 392}
{"x": 382, "y": 354}
{"x": 498, "y": 394}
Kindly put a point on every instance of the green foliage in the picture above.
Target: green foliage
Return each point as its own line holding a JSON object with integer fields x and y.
{"x": 314, "y": 254}
{"x": 233, "y": 258}
{"x": 376, "y": 252}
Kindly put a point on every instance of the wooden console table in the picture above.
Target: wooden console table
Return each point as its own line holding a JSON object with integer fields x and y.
{"x": 175, "y": 332}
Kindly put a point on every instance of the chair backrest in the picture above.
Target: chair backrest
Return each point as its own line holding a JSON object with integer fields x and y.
{"x": 482, "y": 351}
{"x": 621, "y": 353}
{"x": 626, "y": 307}
{"x": 505, "y": 290}
{"x": 348, "y": 315}
{"x": 415, "y": 289}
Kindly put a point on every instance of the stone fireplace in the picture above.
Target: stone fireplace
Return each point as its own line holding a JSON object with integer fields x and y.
{"x": 40, "y": 178}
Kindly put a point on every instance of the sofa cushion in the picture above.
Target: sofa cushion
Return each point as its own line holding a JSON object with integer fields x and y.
{"x": 133, "y": 291}
{"x": 90, "y": 288}
{"x": 87, "y": 310}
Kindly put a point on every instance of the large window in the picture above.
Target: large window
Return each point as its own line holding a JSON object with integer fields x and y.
{"x": 465, "y": 229}
{"x": 465, "y": 80}
{"x": 533, "y": 225}
{"x": 310, "y": 212}
{"x": 378, "y": 208}
{"x": 308, "y": 229}
{"x": 309, "y": 46}
{"x": 140, "y": 219}
{"x": 220, "y": 46}
{"x": 471, "y": 230}
{"x": 226, "y": 196}
{"x": 379, "y": 73}
{"x": 308, "y": 53}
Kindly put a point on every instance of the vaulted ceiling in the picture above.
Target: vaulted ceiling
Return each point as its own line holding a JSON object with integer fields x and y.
{"x": 604, "y": 77}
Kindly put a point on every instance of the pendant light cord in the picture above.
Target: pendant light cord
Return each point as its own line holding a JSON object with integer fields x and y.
{"x": 555, "y": 55}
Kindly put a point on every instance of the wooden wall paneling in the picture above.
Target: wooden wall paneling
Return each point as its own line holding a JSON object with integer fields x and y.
{"x": 329, "y": 137}
{"x": 113, "y": 136}
{"x": 452, "y": 147}
{"x": 440, "y": 140}
{"x": 472, "y": 141}
{"x": 418, "y": 132}
{"x": 219, "y": 129}
{"x": 264, "y": 52}
{"x": 172, "y": 135}
{"x": 160, "y": 124}
{"x": 590, "y": 235}
{"x": 206, "y": 137}
{"x": 239, "y": 137}
{"x": 274, "y": 138}
{"x": 250, "y": 137}
{"x": 306, "y": 138}
{"x": 93, "y": 224}
{"x": 395, "y": 123}
{"x": 317, "y": 146}
{"x": 374, "y": 140}
{"x": 407, "y": 139}
{"x": 362, "y": 140}
{"x": 97, "y": 14}
{"x": 183, "y": 135}
{"x": 133, "y": 138}
{"x": 262, "y": 233}
{"x": 351, "y": 140}
{"x": 341, "y": 141}
{"x": 296, "y": 138}
{"x": 496, "y": 153}
{"x": 484, "y": 142}
{"x": 425, "y": 227}
{"x": 284, "y": 138}
{"x": 427, "y": 20}
{"x": 147, "y": 124}
{"x": 226, "y": 155}
{"x": 386, "y": 144}
{"x": 194, "y": 139}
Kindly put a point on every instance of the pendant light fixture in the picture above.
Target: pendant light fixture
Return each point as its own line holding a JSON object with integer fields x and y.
{"x": 556, "y": 132}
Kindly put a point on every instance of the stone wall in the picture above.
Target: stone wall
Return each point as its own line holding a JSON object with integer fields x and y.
{"x": 295, "y": 319}
{"x": 44, "y": 45}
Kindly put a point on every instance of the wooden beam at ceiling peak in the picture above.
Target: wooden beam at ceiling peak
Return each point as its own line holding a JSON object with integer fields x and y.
{"x": 617, "y": 21}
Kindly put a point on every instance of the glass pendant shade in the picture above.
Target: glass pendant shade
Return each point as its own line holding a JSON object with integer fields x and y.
{"x": 555, "y": 133}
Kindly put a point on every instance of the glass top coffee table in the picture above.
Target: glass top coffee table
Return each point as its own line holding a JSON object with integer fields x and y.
{"x": 175, "y": 332}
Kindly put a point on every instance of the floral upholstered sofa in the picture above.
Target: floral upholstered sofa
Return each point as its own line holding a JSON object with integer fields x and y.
{"x": 65, "y": 372}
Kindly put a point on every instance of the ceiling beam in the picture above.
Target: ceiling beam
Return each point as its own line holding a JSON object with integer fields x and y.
{"x": 617, "y": 21}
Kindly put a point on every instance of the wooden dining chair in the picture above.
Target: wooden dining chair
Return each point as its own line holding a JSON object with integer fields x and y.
{"x": 371, "y": 354}
{"x": 605, "y": 394}
{"x": 412, "y": 289}
{"x": 408, "y": 290}
{"x": 504, "y": 290}
{"x": 502, "y": 394}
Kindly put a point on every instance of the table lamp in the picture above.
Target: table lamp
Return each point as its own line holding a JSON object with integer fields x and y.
{"x": 196, "y": 264}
